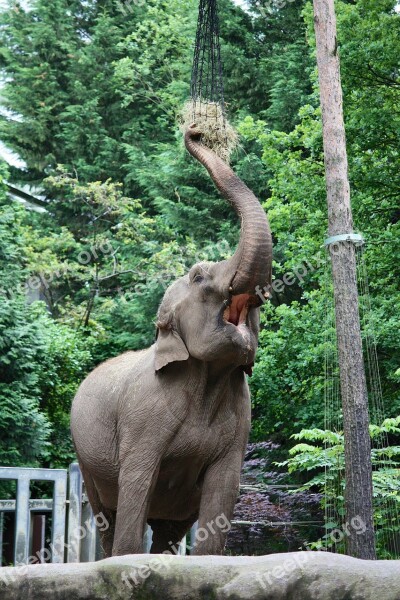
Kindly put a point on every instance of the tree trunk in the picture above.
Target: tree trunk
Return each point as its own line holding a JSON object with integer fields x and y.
{"x": 358, "y": 468}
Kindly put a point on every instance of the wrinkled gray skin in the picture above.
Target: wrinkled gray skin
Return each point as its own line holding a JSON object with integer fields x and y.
{"x": 161, "y": 433}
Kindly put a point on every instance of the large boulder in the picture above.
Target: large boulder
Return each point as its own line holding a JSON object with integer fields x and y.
{"x": 294, "y": 576}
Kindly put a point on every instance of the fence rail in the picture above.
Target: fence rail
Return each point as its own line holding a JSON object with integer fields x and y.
{"x": 66, "y": 511}
{"x": 68, "y": 515}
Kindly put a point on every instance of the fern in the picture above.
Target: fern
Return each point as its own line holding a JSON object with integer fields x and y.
{"x": 326, "y": 456}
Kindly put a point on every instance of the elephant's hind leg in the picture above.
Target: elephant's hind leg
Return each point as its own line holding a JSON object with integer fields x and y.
{"x": 105, "y": 516}
{"x": 107, "y": 536}
{"x": 168, "y": 534}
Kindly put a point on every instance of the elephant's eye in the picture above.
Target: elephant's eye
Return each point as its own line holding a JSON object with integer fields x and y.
{"x": 198, "y": 278}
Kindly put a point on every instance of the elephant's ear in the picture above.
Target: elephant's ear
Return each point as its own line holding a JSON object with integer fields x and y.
{"x": 169, "y": 348}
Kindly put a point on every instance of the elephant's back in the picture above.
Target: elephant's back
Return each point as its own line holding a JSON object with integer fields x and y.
{"x": 94, "y": 409}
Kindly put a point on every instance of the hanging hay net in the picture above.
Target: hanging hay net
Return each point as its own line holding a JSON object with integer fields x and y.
{"x": 216, "y": 132}
{"x": 207, "y": 105}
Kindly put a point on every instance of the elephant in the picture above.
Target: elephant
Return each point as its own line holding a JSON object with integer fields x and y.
{"x": 161, "y": 433}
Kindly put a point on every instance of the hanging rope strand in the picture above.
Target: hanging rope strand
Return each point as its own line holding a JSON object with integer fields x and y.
{"x": 388, "y": 536}
{"x": 386, "y": 502}
{"x": 207, "y": 73}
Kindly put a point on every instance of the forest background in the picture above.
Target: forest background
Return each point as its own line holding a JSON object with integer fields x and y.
{"x": 90, "y": 99}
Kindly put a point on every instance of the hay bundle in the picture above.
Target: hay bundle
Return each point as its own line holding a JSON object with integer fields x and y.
{"x": 216, "y": 133}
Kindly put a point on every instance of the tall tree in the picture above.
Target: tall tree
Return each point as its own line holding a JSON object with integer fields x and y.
{"x": 288, "y": 378}
{"x": 353, "y": 383}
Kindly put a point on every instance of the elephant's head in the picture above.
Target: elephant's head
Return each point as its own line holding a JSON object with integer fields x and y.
{"x": 212, "y": 313}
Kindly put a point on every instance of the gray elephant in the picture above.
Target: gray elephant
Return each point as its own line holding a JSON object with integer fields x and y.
{"x": 160, "y": 434}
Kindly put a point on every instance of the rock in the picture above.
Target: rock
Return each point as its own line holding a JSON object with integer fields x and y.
{"x": 294, "y": 576}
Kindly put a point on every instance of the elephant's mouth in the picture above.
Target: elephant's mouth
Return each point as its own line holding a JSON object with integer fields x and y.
{"x": 237, "y": 311}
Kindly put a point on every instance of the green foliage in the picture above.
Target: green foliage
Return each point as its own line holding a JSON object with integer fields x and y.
{"x": 24, "y": 429}
{"x": 65, "y": 362}
{"x": 41, "y": 361}
{"x": 287, "y": 388}
{"x": 288, "y": 378}
{"x": 87, "y": 88}
{"x": 40, "y": 366}
{"x": 324, "y": 461}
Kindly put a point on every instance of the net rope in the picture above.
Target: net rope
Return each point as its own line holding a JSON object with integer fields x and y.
{"x": 334, "y": 479}
{"x": 386, "y": 505}
{"x": 207, "y": 85}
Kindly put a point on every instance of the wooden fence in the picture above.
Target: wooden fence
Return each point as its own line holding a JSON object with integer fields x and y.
{"x": 63, "y": 528}
{"x": 67, "y": 518}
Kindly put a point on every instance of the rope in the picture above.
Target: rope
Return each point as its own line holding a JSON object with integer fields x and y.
{"x": 386, "y": 507}
{"x": 333, "y": 411}
{"x": 207, "y": 78}
{"x": 279, "y": 523}
{"x": 388, "y": 537}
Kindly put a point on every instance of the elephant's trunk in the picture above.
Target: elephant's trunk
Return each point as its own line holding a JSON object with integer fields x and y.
{"x": 251, "y": 265}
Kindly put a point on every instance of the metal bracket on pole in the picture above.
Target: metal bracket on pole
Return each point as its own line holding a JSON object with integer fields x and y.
{"x": 356, "y": 238}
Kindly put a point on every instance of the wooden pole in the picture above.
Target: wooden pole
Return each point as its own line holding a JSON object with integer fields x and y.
{"x": 358, "y": 468}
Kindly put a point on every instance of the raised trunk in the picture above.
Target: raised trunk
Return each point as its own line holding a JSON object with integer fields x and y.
{"x": 251, "y": 265}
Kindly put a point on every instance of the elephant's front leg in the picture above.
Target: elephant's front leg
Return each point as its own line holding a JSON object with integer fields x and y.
{"x": 220, "y": 492}
{"x": 138, "y": 476}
